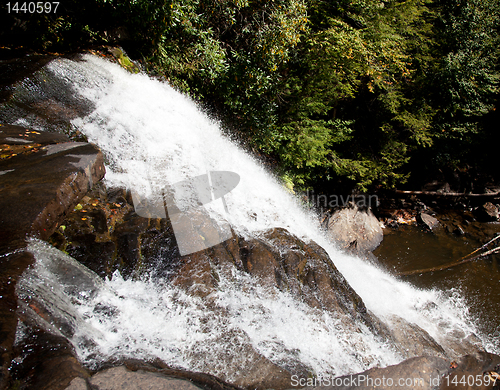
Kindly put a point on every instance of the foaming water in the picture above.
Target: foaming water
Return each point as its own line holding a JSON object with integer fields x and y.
{"x": 152, "y": 136}
{"x": 145, "y": 319}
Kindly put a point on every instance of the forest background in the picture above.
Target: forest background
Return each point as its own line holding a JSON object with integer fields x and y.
{"x": 353, "y": 94}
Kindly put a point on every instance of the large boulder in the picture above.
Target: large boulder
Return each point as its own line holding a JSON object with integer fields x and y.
{"x": 134, "y": 374}
{"x": 355, "y": 230}
{"x": 415, "y": 373}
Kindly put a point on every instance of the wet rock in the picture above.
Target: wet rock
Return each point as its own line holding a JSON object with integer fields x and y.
{"x": 205, "y": 381}
{"x": 37, "y": 189}
{"x": 460, "y": 344}
{"x": 415, "y": 373}
{"x": 467, "y": 372}
{"x": 49, "y": 287}
{"x": 459, "y": 231}
{"x": 105, "y": 234}
{"x": 16, "y": 69}
{"x": 247, "y": 369}
{"x": 428, "y": 221}
{"x": 119, "y": 378}
{"x": 425, "y": 372}
{"x": 78, "y": 384}
{"x": 12, "y": 267}
{"x": 38, "y": 186}
{"x": 50, "y": 108}
{"x": 356, "y": 230}
{"x": 97, "y": 256}
{"x": 277, "y": 260}
{"x": 19, "y": 135}
{"x": 46, "y": 362}
{"x": 487, "y": 212}
{"x": 412, "y": 341}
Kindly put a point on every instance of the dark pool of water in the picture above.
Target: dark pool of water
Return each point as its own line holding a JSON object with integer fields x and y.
{"x": 411, "y": 248}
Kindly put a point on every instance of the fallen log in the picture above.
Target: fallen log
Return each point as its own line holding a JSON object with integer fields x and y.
{"x": 462, "y": 260}
{"x": 451, "y": 194}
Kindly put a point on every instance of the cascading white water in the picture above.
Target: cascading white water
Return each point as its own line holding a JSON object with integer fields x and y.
{"x": 152, "y": 135}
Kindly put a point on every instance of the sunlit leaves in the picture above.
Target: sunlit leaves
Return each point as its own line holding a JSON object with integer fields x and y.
{"x": 467, "y": 77}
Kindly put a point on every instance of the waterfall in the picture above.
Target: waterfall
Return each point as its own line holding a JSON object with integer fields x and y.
{"x": 152, "y": 136}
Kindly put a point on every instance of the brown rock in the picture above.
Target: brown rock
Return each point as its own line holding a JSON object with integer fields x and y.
{"x": 78, "y": 384}
{"x": 19, "y": 135}
{"x": 421, "y": 373}
{"x": 48, "y": 362}
{"x": 488, "y": 212}
{"x": 119, "y": 378}
{"x": 355, "y": 230}
{"x": 12, "y": 268}
{"x": 412, "y": 341}
{"x": 37, "y": 188}
{"x": 427, "y": 221}
{"x": 206, "y": 381}
{"x": 467, "y": 372}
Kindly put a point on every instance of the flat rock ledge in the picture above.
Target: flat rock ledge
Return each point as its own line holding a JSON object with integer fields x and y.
{"x": 134, "y": 374}
{"x": 42, "y": 177}
{"x": 120, "y": 378}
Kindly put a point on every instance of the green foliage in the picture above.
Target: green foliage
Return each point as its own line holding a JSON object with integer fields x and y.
{"x": 355, "y": 90}
{"x": 467, "y": 77}
{"x": 351, "y": 107}
{"x": 74, "y": 25}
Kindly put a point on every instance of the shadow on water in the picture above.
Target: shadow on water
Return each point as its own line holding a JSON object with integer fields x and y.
{"x": 411, "y": 248}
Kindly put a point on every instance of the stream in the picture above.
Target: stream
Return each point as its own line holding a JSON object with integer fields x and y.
{"x": 411, "y": 248}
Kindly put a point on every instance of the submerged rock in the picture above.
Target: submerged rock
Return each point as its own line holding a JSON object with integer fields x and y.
{"x": 46, "y": 362}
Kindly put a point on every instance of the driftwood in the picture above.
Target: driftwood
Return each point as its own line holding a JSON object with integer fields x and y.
{"x": 462, "y": 260}
{"x": 450, "y": 194}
